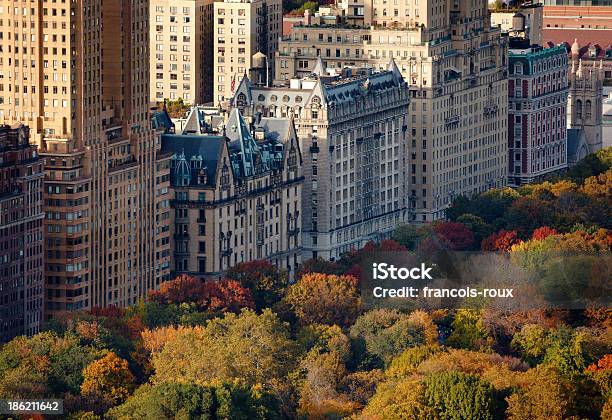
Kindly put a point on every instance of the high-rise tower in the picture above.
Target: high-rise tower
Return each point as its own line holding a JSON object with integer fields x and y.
{"x": 78, "y": 73}
{"x": 455, "y": 64}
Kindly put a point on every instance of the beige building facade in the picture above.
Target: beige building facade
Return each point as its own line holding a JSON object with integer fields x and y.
{"x": 353, "y": 130}
{"x": 77, "y": 74}
{"x": 526, "y": 20}
{"x": 236, "y": 189}
{"x": 181, "y": 50}
{"x": 243, "y": 28}
{"x": 455, "y": 64}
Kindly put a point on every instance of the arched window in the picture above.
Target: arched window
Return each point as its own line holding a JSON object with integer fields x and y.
{"x": 588, "y": 109}
{"x": 579, "y": 109}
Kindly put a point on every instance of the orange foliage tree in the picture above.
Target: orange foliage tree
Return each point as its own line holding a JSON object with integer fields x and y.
{"x": 109, "y": 378}
{"x": 501, "y": 241}
{"x": 214, "y": 296}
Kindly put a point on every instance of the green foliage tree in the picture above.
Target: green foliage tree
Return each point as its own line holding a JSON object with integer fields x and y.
{"x": 382, "y": 334}
{"x": 43, "y": 365}
{"x": 455, "y": 395}
{"x": 176, "y": 400}
{"x": 469, "y": 331}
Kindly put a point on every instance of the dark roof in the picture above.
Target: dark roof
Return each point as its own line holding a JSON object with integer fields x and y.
{"x": 208, "y": 148}
{"x": 162, "y": 120}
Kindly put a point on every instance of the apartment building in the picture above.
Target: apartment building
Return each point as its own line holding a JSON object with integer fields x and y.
{"x": 236, "y": 190}
{"x": 537, "y": 119}
{"x": 353, "y": 128}
{"x": 455, "y": 64}
{"x": 78, "y": 74}
{"x": 181, "y": 50}
{"x": 527, "y": 18}
{"x": 21, "y": 234}
{"x": 243, "y": 28}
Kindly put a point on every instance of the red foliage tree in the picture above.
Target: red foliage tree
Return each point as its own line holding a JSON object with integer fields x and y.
{"x": 225, "y": 296}
{"x": 455, "y": 236}
{"x": 500, "y": 241}
{"x": 543, "y": 232}
{"x": 215, "y": 296}
{"x": 183, "y": 289}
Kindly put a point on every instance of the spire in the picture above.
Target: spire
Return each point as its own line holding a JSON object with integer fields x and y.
{"x": 319, "y": 68}
{"x": 575, "y": 48}
{"x": 579, "y": 72}
{"x": 394, "y": 69}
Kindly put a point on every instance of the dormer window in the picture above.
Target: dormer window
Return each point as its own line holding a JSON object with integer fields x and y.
{"x": 518, "y": 68}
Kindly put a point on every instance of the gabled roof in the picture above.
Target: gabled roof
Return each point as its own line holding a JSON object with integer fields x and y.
{"x": 319, "y": 68}
{"x": 206, "y": 149}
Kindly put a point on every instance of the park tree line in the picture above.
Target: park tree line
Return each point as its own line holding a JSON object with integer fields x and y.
{"x": 254, "y": 345}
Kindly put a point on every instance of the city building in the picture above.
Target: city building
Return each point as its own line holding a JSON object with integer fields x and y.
{"x": 236, "y": 189}
{"x": 243, "y": 28}
{"x": 585, "y": 107}
{"x": 181, "y": 36}
{"x": 79, "y": 77}
{"x": 532, "y": 19}
{"x": 455, "y": 64}
{"x": 21, "y": 234}
{"x": 353, "y": 128}
{"x": 537, "y": 119}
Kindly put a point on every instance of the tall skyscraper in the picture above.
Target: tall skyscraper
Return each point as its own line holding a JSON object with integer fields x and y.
{"x": 181, "y": 50}
{"x": 21, "y": 234}
{"x": 456, "y": 66}
{"x": 243, "y": 28}
{"x": 78, "y": 73}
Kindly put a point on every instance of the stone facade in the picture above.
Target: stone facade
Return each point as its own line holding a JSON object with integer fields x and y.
{"x": 243, "y": 28}
{"x": 236, "y": 190}
{"x": 455, "y": 64}
{"x": 181, "y": 36}
{"x": 353, "y": 130}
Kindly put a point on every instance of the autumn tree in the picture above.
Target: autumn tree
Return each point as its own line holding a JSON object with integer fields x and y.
{"x": 266, "y": 282}
{"x": 542, "y": 233}
{"x": 249, "y": 347}
{"x": 209, "y": 296}
{"x": 183, "y": 289}
{"x": 469, "y": 331}
{"x": 109, "y": 377}
{"x": 180, "y": 400}
{"x": 381, "y": 334}
{"x": 501, "y": 241}
{"x": 43, "y": 365}
{"x": 324, "y": 299}
{"x": 455, "y": 236}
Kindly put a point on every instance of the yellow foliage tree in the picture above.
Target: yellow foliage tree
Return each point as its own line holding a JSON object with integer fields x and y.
{"x": 109, "y": 378}
{"x": 325, "y": 299}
